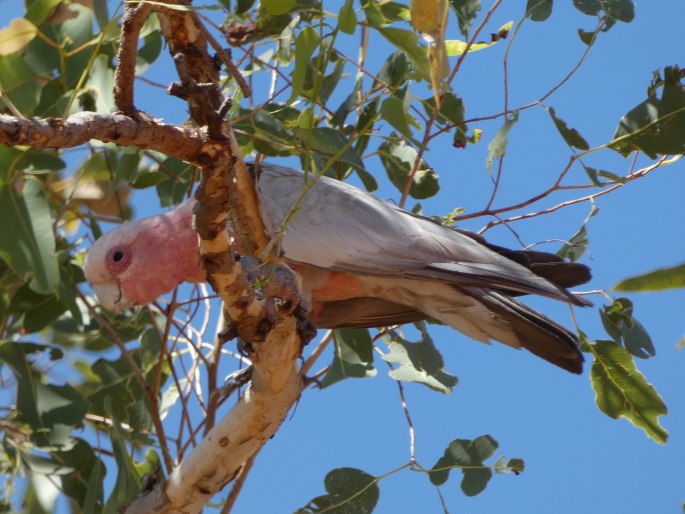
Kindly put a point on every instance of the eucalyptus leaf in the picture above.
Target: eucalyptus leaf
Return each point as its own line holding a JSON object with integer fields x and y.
{"x": 665, "y": 278}
{"x": 27, "y": 241}
{"x": 655, "y": 126}
{"x": 498, "y": 146}
{"x": 305, "y": 44}
{"x": 622, "y": 391}
{"x": 570, "y": 135}
{"x": 469, "y": 456}
{"x": 353, "y": 356}
{"x": 350, "y": 491}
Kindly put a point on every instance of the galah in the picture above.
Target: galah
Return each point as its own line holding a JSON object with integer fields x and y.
{"x": 362, "y": 262}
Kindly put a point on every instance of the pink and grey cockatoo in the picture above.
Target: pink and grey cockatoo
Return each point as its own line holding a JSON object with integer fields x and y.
{"x": 362, "y": 262}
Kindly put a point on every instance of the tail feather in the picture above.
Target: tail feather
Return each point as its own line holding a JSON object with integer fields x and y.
{"x": 536, "y": 333}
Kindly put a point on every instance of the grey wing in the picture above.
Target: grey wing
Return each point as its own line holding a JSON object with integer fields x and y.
{"x": 343, "y": 228}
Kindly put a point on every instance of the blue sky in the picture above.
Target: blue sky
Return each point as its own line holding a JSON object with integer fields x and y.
{"x": 577, "y": 459}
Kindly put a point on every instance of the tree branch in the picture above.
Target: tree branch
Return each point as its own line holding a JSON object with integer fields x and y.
{"x": 185, "y": 143}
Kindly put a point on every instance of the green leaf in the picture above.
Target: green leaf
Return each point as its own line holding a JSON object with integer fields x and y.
{"x": 277, "y": 7}
{"x": 382, "y": 14}
{"x": 353, "y": 356}
{"x": 516, "y": 465}
{"x": 615, "y": 10}
{"x": 657, "y": 280}
{"x": 125, "y": 170}
{"x": 330, "y": 142}
{"x": 620, "y": 324}
{"x": 656, "y": 126}
{"x": 305, "y": 44}
{"x": 466, "y": 11}
{"x": 27, "y": 242}
{"x": 347, "y": 20}
{"x": 392, "y": 111}
{"x": 451, "y": 109}
{"x": 35, "y": 311}
{"x": 622, "y": 391}
{"x": 395, "y": 70}
{"x": 498, "y": 146}
{"x": 52, "y": 411}
{"x": 470, "y": 457}
{"x": 398, "y": 159}
{"x": 175, "y": 189}
{"x": 150, "y": 51}
{"x": 85, "y": 464}
{"x": 38, "y": 10}
{"x": 128, "y": 481}
{"x": 576, "y": 246}
{"x": 587, "y": 37}
{"x": 101, "y": 83}
{"x": 77, "y": 30}
{"x": 101, "y": 15}
{"x": 419, "y": 362}
{"x": 350, "y": 491}
{"x": 539, "y": 10}
{"x": 20, "y": 83}
{"x": 408, "y": 42}
{"x": 365, "y": 126}
{"x": 328, "y": 83}
{"x": 570, "y": 135}
{"x": 274, "y": 136}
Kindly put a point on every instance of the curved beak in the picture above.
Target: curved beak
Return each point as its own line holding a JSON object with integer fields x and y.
{"x": 111, "y": 297}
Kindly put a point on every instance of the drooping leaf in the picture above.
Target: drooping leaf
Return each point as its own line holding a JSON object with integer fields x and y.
{"x": 353, "y": 356}
{"x": 419, "y": 362}
{"x": 398, "y": 159}
{"x": 392, "y": 111}
{"x": 586, "y": 36}
{"x": 656, "y": 126}
{"x": 576, "y": 246}
{"x": 305, "y": 44}
{"x": 382, "y": 14}
{"x": 128, "y": 481}
{"x": 347, "y": 20}
{"x": 622, "y": 391}
{"x": 498, "y": 146}
{"x": 570, "y": 135}
{"x": 620, "y": 324}
{"x": 408, "y": 42}
{"x": 469, "y": 456}
{"x": 665, "y": 278}
{"x": 466, "y": 11}
{"x": 27, "y": 241}
{"x": 395, "y": 70}
{"x": 350, "y": 491}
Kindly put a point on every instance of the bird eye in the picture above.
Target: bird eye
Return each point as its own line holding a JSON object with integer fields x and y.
{"x": 119, "y": 258}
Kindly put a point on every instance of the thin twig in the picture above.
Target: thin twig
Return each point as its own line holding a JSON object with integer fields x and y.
{"x": 238, "y": 483}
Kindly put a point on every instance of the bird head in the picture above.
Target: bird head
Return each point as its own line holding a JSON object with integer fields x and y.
{"x": 142, "y": 260}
